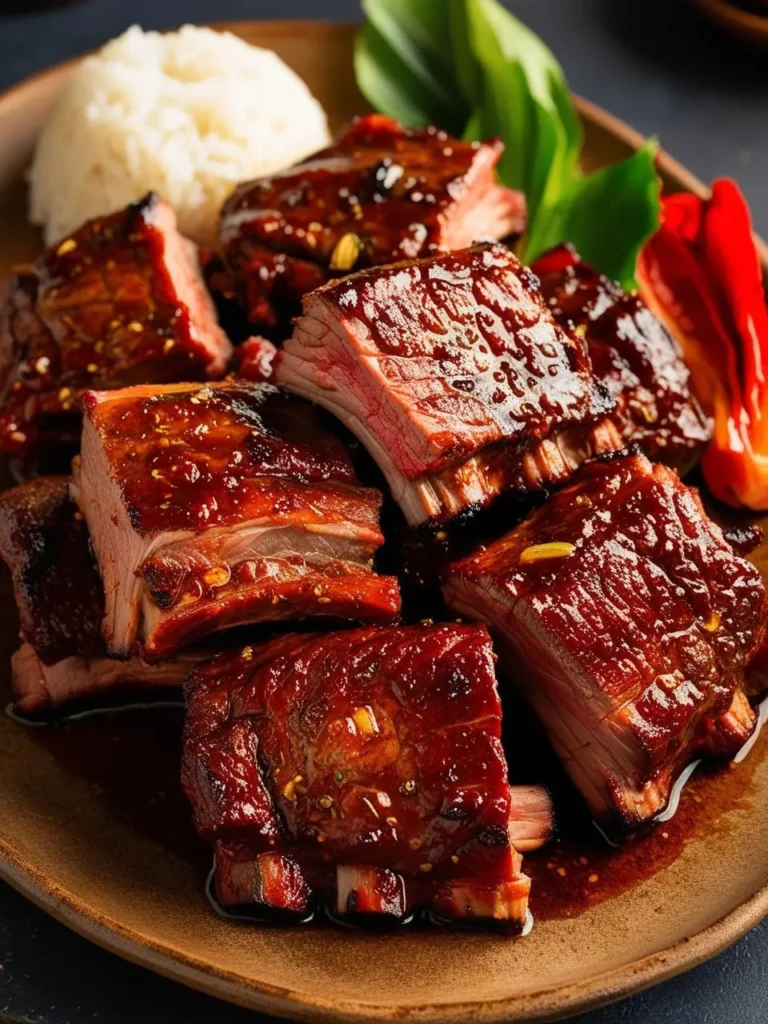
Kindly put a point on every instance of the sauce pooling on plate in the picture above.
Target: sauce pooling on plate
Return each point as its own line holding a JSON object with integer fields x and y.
{"x": 131, "y": 762}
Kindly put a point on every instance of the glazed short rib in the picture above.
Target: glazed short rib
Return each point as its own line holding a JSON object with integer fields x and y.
{"x": 453, "y": 374}
{"x": 119, "y": 302}
{"x": 626, "y": 619}
{"x": 363, "y": 769}
{"x": 60, "y": 599}
{"x": 633, "y": 353}
{"x": 378, "y": 195}
{"x": 217, "y": 505}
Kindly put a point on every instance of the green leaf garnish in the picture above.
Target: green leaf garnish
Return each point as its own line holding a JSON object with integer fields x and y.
{"x": 608, "y": 215}
{"x": 473, "y": 69}
{"x": 523, "y": 97}
{"x": 403, "y": 63}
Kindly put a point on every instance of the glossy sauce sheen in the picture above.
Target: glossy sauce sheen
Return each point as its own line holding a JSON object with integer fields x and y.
{"x": 260, "y": 590}
{"x": 241, "y": 506}
{"x": 377, "y": 748}
{"x": 619, "y": 503}
{"x": 194, "y": 457}
{"x": 130, "y": 761}
{"x": 580, "y": 870}
{"x": 392, "y": 189}
{"x": 652, "y": 617}
{"x": 100, "y": 309}
{"x": 465, "y": 344}
{"x": 632, "y": 352}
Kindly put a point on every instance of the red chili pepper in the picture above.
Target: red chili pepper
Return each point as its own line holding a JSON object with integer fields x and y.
{"x": 701, "y": 275}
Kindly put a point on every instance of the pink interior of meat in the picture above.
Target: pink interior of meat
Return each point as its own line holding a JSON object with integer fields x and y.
{"x": 427, "y": 363}
{"x": 210, "y": 507}
{"x": 485, "y": 209}
{"x": 183, "y": 266}
{"x": 624, "y": 636}
{"x": 39, "y": 687}
{"x": 364, "y": 766}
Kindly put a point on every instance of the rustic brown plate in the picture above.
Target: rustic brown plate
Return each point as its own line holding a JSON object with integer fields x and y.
{"x": 94, "y": 830}
{"x": 750, "y": 26}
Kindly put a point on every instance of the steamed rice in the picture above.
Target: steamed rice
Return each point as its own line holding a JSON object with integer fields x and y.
{"x": 189, "y": 114}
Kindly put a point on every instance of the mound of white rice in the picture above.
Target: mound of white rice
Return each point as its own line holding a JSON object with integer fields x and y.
{"x": 189, "y": 114}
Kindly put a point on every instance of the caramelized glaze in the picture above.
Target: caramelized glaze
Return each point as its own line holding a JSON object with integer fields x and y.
{"x": 628, "y": 621}
{"x": 130, "y": 761}
{"x": 114, "y": 304}
{"x": 59, "y": 593}
{"x": 581, "y": 870}
{"x": 378, "y": 749}
{"x": 454, "y": 375}
{"x": 194, "y": 457}
{"x": 632, "y": 352}
{"x": 379, "y": 194}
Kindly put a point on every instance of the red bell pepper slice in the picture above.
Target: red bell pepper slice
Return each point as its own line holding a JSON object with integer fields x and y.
{"x": 701, "y": 275}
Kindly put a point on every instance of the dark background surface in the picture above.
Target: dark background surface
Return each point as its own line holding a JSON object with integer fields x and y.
{"x": 657, "y": 66}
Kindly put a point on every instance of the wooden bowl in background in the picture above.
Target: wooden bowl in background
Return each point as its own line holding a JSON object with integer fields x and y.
{"x": 750, "y": 26}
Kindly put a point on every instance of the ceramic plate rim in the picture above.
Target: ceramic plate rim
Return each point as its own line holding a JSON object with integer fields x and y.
{"x": 548, "y": 1003}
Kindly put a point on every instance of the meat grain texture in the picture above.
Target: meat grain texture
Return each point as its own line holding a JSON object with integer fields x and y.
{"x": 60, "y": 600}
{"x": 378, "y": 195}
{"x": 217, "y": 505}
{"x": 454, "y": 375}
{"x": 633, "y": 354}
{"x": 364, "y": 769}
{"x": 627, "y": 620}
